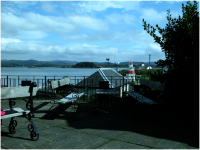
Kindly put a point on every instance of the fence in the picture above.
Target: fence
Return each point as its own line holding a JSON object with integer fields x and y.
{"x": 43, "y": 82}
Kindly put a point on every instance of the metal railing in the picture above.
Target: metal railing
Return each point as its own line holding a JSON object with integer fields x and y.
{"x": 43, "y": 82}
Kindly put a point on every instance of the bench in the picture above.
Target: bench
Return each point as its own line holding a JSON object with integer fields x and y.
{"x": 104, "y": 91}
{"x": 72, "y": 95}
{"x": 20, "y": 92}
{"x": 139, "y": 91}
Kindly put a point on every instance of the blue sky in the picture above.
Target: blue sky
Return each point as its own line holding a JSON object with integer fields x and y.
{"x": 83, "y": 30}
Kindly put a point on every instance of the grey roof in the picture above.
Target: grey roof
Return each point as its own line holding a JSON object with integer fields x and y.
{"x": 104, "y": 74}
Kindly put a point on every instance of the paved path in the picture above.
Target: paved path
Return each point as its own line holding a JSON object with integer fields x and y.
{"x": 97, "y": 130}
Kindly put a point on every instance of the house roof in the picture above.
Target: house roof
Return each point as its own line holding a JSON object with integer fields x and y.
{"x": 104, "y": 74}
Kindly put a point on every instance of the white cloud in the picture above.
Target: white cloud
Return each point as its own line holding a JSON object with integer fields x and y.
{"x": 89, "y": 23}
{"x": 16, "y": 7}
{"x": 22, "y": 4}
{"x": 36, "y": 25}
{"x": 18, "y": 23}
{"x": 152, "y": 16}
{"x": 98, "y": 6}
{"x": 9, "y": 40}
{"x": 119, "y": 37}
{"x": 91, "y": 46}
{"x": 15, "y": 46}
{"x": 174, "y": 1}
{"x": 167, "y": 1}
{"x": 120, "y": 18}
{"x": 155, "y": 47}
{"x": 48, "y": 23}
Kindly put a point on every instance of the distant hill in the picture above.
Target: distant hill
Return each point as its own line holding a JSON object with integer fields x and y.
{"x": 27, "y": 63}
{"x": 85, "y": 65}
{"x": 64, "y": 63}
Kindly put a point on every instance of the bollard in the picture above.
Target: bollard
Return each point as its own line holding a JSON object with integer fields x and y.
{"x": 7, "y": 80}
{"x": 18, "y": 80}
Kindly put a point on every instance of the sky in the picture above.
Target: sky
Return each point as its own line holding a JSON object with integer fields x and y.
{"x": 83, "y": 30}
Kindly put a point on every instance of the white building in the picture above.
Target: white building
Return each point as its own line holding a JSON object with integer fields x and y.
{"x": 142, "y": 65}
{"x": 149, "y": 67}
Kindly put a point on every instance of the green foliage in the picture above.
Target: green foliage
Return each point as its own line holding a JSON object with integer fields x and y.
{"x": 137, "y": 71}
{"x": 156, "y": 75}
{"x": 45, "y": 65}
{"x": 142, "y": 72}
{"x": 11, "y": 65}
{"x": 122, "y": 72}
{"x": 180, "y": 42}
{"x": 180, "y": 39}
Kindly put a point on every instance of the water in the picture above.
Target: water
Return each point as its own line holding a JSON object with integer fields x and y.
{"x": 16, "y": 75}
{"x": 48, "y": 71}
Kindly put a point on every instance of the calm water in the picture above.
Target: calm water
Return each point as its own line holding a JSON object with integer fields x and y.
{"x": 39, "y": 73}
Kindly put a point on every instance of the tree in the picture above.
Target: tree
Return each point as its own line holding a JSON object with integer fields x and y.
{"x": 180, "y": 42}
{"x": 178, "y": 38}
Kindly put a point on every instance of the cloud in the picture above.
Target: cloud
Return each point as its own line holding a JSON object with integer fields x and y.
{"x": 174, "y": 1}
{"x": 9, "y": 40}
{"x": 22, "y": 4}
{"x": 49, "y": 7}
{"x": 18, "y": 47}
{"x": 113, "y": 36}
{"x": 158, "y": 2}
{"x": 78, "y": 23}
{"x": 152, "y": 16}
{"x": 120, "y": 18}
{"x": 37, "y": 25}
{"x": 98, "y": 6}
{"x": 89, "y": 23}
{"x": 155, "y": 47}
{"x": 169, "y": 2}
{"x": 17, "y": 7}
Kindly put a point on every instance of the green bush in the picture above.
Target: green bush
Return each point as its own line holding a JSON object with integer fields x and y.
{"x": 122, "y": 72}
{"x": 155, "y": 74}
{"x": 138, "y": 72}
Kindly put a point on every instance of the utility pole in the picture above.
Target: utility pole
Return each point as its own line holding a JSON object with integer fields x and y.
{"x": 114, "y": 57}
{"x": 149, "y": 65}
{"x": 108, "y": 61}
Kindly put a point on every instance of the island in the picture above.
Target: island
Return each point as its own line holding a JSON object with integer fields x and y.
{"x": 86, "y": 65}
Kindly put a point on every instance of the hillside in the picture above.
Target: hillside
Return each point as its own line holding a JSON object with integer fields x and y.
{"x": 35, "y": 63}
{"x": 85, "y": 65}
{"x": 66, "y": 63}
